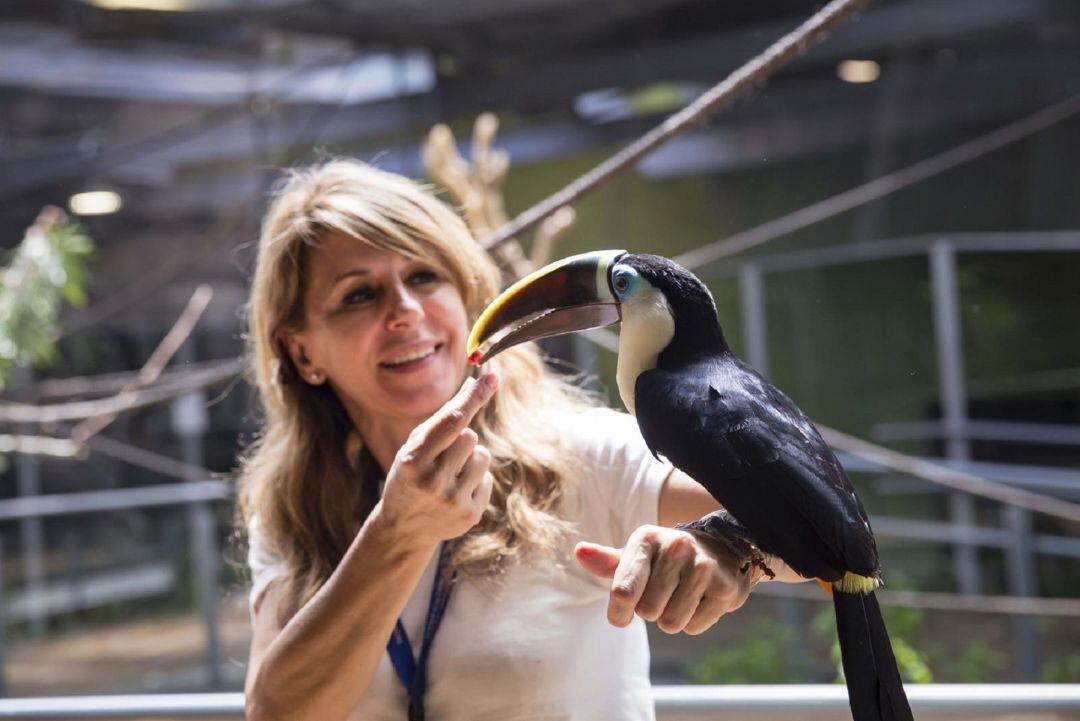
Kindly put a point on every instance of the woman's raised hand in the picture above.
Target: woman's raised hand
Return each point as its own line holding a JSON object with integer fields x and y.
{"x": 439, "y": 485}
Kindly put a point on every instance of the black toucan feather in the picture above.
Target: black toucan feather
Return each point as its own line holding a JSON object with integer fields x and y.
{"x": 757, "y": 453}
{"x": 874, "y": 687}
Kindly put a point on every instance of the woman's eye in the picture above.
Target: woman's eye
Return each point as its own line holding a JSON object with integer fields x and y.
{"x": 358, "y": 295}
{"x": 424, "y": 276}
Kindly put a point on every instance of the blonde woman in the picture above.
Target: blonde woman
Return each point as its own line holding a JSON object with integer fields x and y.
{"x": 391, "y": 496}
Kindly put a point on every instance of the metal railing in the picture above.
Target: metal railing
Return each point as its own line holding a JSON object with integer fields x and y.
{"x": 941, "y": 252}
{"x": 673, "y": 703}
{"x": 1014, "y": 535}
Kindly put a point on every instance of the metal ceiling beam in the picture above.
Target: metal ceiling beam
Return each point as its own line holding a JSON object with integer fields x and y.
{"x": 47, "y": 60}
{"x": 53, "y": 62}
{"x": 799, "y": 121}
{"x": 880, "y": 32}
{"x": 787, "y": 120}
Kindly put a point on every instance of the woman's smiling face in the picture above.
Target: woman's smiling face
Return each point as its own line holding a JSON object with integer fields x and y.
{"x": 387, "y": 332}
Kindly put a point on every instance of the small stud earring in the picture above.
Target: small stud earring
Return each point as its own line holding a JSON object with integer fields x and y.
{"x": 315, "y": 377}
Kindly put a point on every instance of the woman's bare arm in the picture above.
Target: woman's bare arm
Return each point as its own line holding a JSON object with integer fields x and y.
{"x": 318, "y": 665}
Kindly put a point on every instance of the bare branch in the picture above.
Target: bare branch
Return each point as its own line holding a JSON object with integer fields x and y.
{"x": 957, "y": 480}
{"x": 58, "y": 412}
{"x": 106, "y": 383}
{"x": 164, "y": 352}
{"x": 148, "y": 459}
{"x": 476, "y": 187}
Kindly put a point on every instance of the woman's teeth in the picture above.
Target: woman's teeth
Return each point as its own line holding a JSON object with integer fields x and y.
{"x": 417, "y": 355}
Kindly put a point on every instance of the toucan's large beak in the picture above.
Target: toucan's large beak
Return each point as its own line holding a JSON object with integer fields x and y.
{"x": 567, "y": 295}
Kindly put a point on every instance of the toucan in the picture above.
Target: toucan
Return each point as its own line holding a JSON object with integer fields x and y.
{"x": 715, "y": 418}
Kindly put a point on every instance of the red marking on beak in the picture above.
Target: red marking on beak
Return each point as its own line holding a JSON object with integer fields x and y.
{"x": 475, "y": 358}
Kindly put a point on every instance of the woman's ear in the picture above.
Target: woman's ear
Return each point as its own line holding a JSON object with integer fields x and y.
{"x": 293, "y": 343}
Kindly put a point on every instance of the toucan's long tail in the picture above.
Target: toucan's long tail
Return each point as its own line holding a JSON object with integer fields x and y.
{"x": 873, "y": 680}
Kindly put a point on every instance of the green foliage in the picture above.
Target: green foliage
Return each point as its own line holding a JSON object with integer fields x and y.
{"x": 47, "y": 268}
{"x": 904, "y": 626}
{"x": 912, "y": 662}
{"x": 761, "y": 658}
{"x": 1062, "y": 669}
{"x": 977, "y": 662}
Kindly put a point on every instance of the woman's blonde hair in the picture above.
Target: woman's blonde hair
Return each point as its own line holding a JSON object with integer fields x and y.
{"x": 300, "y": 477}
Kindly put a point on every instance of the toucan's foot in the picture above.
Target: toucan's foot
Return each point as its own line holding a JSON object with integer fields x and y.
{"x": 722, "y": 528}
{"x": 759, "y": 560}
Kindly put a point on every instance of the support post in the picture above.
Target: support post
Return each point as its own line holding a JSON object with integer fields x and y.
{"x": 953, "y": 393}
{"x": 3, "y": 627}
{"x": 1020, "y": 558}
{"x": 189, "y": 419}
{"x": 756, "y": 340}
{"x": 31, "y": 530}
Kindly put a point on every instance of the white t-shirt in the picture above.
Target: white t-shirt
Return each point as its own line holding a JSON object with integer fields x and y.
{"x": 537, "y": 644}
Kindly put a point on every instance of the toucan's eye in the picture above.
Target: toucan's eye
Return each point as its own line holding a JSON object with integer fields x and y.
{"x": 623, "y": 281}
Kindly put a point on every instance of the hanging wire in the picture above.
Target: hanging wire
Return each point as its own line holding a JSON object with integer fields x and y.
{"x": 882, "y": 186}
{"x": 751, "y": 75}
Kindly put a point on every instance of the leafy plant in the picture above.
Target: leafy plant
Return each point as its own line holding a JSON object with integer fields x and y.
{"x": 904, "y": 625}
{"x": 47, "y": 268}
{"x": 761, "y": 658}
{"x": 978, "y": 662}
{"x": 1062, "y": 669}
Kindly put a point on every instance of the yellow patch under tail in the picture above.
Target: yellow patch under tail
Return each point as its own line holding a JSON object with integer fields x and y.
{"x": 854, "y": 583}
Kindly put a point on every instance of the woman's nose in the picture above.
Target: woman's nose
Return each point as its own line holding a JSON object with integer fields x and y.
{"x": 405, "y": 307}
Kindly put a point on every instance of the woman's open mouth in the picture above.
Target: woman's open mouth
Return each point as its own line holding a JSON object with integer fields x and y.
{"x": 413, "y": 360}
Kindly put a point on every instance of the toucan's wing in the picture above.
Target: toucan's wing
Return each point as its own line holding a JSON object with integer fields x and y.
{"x": 758, "y": 455}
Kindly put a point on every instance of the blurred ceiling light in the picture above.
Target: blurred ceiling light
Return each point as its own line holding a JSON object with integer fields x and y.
{"x": 159, "y": 5}
{"x": 858, "y": 71}
{"x": 95, "y": 202}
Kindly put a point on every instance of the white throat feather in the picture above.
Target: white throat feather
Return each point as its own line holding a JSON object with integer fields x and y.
{"x": 647, "y": 327}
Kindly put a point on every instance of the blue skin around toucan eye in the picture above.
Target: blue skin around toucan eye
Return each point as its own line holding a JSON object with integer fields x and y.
{"x": 624, "y": 282}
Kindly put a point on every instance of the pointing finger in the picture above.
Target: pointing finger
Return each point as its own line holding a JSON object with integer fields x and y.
{"x": 631, "y": 578}
{"x": 598, "y": 560}
{"x": 443, "y": 428}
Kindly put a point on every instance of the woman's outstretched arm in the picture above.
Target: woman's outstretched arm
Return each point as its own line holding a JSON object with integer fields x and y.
{"x": 319, "y": 663}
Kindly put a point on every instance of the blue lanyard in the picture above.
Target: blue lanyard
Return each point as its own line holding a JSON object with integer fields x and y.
{"x": 411, "y": 671}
